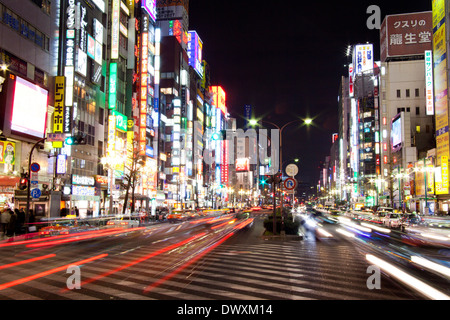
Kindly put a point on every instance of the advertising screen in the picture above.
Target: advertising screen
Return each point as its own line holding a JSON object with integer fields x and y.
{"x": 29, "y": 110}
{"x": 396, "y": 132}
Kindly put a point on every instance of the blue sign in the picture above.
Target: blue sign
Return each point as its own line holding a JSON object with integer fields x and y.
{"x": 35, "y": 167}
{"x": 36, "y": 193}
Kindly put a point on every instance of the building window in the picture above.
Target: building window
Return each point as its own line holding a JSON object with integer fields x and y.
{"x": 417, "y": 111}
{"x": 398, "y": 94}
{"x": 407, "y": 93}
{"x": 408, "y": 109}
{"x": 418, "y": 129}
{"x": 417, "y": 92}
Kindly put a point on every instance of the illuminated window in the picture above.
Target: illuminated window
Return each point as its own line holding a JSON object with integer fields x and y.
{"x": 418, "y": 129}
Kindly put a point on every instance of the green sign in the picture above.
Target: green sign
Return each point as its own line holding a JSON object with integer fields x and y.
{"x": 121, "y": 121}
{"x": 112, "y": 85}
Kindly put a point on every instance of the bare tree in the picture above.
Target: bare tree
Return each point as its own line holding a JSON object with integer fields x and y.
{"x": 132, "y": 173}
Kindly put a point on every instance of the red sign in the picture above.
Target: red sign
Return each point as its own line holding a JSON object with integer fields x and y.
{"x": 406, "y": 34}
{"x": 242, "y": 164}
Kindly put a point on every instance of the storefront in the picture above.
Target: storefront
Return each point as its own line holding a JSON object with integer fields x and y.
{"x": 85, "y": 196}
{"x": 7, "y": 186}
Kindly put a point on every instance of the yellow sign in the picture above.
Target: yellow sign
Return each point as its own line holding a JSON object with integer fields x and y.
{"x": 444, "y": 172}
{"x": 58, "y": 114}
{"x": 7, "y": 152}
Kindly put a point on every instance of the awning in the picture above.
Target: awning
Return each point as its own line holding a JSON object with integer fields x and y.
{"x": 9, "y": 181}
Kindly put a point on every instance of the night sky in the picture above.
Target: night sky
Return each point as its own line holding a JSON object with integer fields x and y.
{"x": 285, "y": 59}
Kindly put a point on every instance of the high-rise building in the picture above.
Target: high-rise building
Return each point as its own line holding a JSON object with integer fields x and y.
{"x": 406, "y": 108}
{"x": 28, "y": 66}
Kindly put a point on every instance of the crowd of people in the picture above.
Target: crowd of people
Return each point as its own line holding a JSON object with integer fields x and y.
{"x": 12, "y": 222}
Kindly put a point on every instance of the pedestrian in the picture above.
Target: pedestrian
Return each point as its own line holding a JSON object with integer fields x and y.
{"x": 77, "y": 212}
{"x": 12, "y": 225}
{"x": 4, "y": 220}
{"x": 20, "y": 220}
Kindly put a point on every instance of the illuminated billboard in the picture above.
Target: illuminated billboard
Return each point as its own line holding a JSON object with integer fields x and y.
{"x": 242, "y": 164}
{"x": 195, "y": 52}
{"x": 362, "y": 58}
{"x": 440, "y": 90}
{"x": 396, "y": 133}
{"x": 29, "y": 109}
{"x": 219, "y": 98}
{"x": 150, "y": 7}
{"x": 429, "y": 82}
{"x": 405, "y": 35}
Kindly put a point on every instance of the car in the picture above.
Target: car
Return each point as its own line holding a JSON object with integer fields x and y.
{"x": 411, "y": 219}
{"x": 379, "y": 216}
{"x": 54, "y": 230}
{"x": 393, "y": 220}
{"x": 176, "y": 216}
{"x": 125, "y": 222}
{"x": 243, "y": 216}
{"x": 256, "y": 208}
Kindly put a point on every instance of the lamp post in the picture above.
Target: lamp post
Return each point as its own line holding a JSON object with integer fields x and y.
{"x": 111, "y": 163}
{"x": 29, "y": 180}
{"x": 255, "y": 122}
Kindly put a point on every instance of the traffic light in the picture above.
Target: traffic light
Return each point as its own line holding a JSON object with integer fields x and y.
{"x": 78, "y": 139}
{"x": 23, "y": 182}
{"x": 219, "y": 135}
{"x": 216, "y": 136}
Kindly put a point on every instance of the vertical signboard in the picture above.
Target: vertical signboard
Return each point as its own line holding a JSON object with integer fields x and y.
{"x": 115, "y": 29}
{"x": 440, "y": 90}
{"x": 144, "y": 90}
{"x": 429, "y": 83}
{"x": 112, "y": 85}
{"x": 58, "y": 114}
{"x": 362, "y": 58}
{"x": 195, "y": 52}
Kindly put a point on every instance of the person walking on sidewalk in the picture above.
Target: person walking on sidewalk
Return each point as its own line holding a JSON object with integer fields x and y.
{"x": 4, "y": 221}
{"x": 11, "y": 228}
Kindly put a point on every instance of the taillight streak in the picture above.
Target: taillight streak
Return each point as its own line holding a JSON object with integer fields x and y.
{"x": 16, "y": 243}
{"x": 48, "y": 272}
{"x": 18, "y": 263}
{"x": 144, "y": 258}
{"x": 243, "y": 224}
{"x": 187, "y": 264}
{"x": 79, "y": 238}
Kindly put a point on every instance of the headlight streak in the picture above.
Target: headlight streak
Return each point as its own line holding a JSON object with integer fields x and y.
{"x": 51, "y": 271}
{"x": 431, "y": 265}
{"x": 324, "y": 233}
{"x": 407, "y": 279}
{"x": 384, "y": 230}
{"x": 345, "y": 233}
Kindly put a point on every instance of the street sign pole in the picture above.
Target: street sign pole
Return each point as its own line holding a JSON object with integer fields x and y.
{"x": 27, "y": 216}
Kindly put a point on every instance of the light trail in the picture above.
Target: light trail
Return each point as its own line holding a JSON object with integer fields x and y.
{"x": 142, "y": 259}
{"x": 48, "y": 272}
{"x": 18, "y": 263}
{"x": 80, "y": 238}
{"x": 187, "y": 264}
{"x": 407, "y": 279}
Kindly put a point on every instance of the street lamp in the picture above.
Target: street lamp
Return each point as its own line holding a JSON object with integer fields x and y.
{"x": 110, "y": 163}
{"x": 254, "y": 122}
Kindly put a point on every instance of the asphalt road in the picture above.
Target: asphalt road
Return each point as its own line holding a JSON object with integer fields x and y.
{"x": 193, "y": 260}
